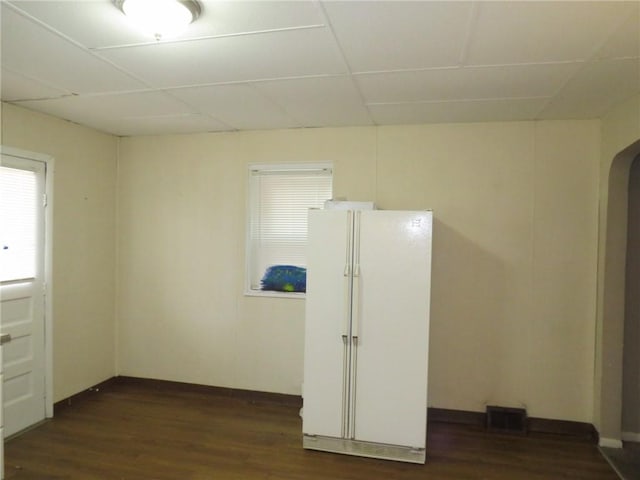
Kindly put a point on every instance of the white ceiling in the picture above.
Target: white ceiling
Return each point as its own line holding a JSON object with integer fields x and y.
{"x": 247, "y": 65}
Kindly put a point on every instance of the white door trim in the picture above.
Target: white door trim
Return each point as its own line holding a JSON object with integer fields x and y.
{"x": 48, "y": 264}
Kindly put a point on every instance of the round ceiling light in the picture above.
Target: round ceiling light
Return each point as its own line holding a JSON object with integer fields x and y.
{"x": 160, "y": 18}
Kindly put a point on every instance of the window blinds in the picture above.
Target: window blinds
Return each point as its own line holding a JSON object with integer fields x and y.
{"x": 279, "y": 202}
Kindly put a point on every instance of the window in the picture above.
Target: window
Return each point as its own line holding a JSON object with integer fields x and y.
{"x": 279, "y": 199}
{"x": 18, "y": 220}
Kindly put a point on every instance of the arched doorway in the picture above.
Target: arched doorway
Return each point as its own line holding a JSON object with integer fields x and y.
{"x": 609, "y": 354}
{"x": 631, "y": 350}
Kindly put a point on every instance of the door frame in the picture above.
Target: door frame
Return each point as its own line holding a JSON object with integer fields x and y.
{"x": 48, "y": 267}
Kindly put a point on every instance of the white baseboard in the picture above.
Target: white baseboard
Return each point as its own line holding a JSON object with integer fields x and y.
{"x": 610, "y": 443}
{"x": 630, "y": 437}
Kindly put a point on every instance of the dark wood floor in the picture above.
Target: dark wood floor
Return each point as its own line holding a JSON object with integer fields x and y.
{"x": 131, "y": 431}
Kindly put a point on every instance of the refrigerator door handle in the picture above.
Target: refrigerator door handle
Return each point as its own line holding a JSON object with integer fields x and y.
{"x": 349, "y": 229}
{"x": 347, "y": 304}
{"x": 355, "y": 303}
{"x": 356, "y": 238}
{"x": 355, "y": 288}
{"x": 347, "y": 277}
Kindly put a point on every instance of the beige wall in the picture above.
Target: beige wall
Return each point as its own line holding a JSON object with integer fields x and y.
{"x": 182, "y": 312}
{"x": 514, "y": 256}
{"x": 514, "y": 272}
{"x": 83, "y": 243}
{"x": 620, "y": 145}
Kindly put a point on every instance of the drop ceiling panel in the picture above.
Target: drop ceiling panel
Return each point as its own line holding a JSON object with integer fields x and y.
{"x": 19, "y": 87}
{"x": 611, "y": 81}
{"x": 90, "y": 23}
{"x": 280, "y": 64}
{"x": 97, "y": 111}
{"x": 39, "y": 54}
{"x": 158, "y": 125}
{"x": 320, "y": 101}
{"x": 229, "y": 17}
{"x": 165, "y": 125}
{"x": 240, "y": 106}
{"x": 384, "y": 35}
{"x": 445, "y": 112}
{"x": 625, "y": 41}
{"x": 248, "y": 57}
{"x": 531, "y": 32}
{"x": 101, "y": 23}
{"x": 466, "y": 83}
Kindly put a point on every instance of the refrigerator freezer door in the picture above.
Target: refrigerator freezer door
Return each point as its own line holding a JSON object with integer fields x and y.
{"x": 391, "y": 382}
{"x": 328, "y": 260}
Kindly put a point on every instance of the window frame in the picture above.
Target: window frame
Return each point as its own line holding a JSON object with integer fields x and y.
{"x": 274, "y": 167}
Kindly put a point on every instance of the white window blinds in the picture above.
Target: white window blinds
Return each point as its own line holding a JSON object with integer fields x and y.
{"x": 279, "y": 199}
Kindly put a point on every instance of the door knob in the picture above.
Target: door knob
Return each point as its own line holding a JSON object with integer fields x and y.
{"x": 5, "y": 338}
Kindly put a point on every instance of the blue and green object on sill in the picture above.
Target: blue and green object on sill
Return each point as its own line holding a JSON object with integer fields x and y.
{"x": 285, "y": 278}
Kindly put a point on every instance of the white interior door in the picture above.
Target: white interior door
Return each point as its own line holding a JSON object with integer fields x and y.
{"x": 22, "y": 291}
{"x": 393, "y": 327}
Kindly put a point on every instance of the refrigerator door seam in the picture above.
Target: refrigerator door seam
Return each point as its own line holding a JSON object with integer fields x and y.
{"x": 346, "y": 329}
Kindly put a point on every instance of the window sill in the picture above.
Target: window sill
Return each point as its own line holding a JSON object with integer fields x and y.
{"x": 273, "y": 294}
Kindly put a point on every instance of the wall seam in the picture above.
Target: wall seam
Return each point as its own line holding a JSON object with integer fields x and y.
{"x": 116, "y": 300}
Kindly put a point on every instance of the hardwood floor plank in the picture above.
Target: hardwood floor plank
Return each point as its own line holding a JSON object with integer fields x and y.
{"x": 129, "y": 431}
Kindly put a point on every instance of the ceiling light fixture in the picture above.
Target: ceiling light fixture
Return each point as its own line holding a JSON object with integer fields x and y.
{"x": 160, "y": 18}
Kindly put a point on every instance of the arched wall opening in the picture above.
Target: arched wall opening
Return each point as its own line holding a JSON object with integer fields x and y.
{"x": 631, "y": 342}
{"x": 611, "y": 338}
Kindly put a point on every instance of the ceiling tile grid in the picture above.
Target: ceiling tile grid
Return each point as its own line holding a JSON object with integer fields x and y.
{"x": 282, "y": 54}
{"x": 456, "y": 111}
{"x": 238, "y": 105}
{"x": 326, "y": 101}
{"x": 40, "y": 54}
{"x": 471, "y": 83}
{"x": 540, "y": 32}
{"x": 595, "y": 89}
{"x": 100, "y": 110}
{"x": 245, "y": 65}
{"x": 381, "y": 36}
{"x": 18, "y": 86}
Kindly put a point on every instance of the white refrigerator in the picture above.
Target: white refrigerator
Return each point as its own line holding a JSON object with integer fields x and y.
{"x": 367, "y": 333}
